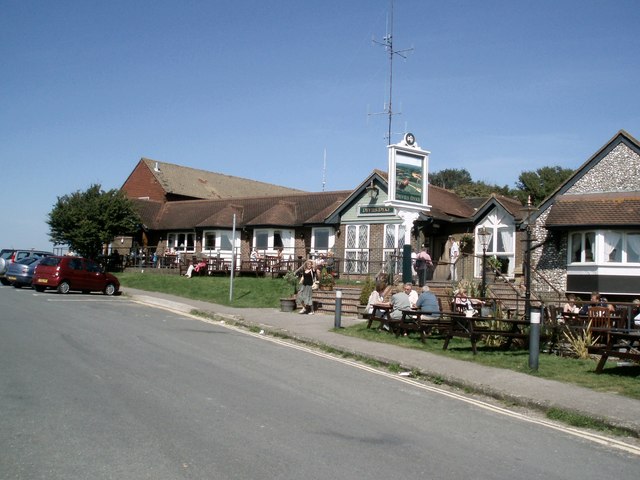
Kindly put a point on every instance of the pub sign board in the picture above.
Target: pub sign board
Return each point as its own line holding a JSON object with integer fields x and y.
{"x": 408, "y": 175}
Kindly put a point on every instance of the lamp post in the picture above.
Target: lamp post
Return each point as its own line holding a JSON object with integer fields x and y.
{"x": 531, "y": 314}
{"x": 483, "y": 237}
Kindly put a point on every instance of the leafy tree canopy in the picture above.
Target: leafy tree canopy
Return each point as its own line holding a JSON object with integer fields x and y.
{"x": 541, "y": 183}
{"x": 86, "y": 221}
{"x": 450, "y": 178}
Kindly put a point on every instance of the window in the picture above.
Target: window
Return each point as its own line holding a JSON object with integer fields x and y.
{"x": 277, "y": 239}
{"x": 501, "y": 243}
{"x": 270, "y": 240}
{"x": 612, "y": 247}
{"x": 322, "y": 239}
{"x": 633, "y": 247}
{"x": 356, "y": 253}
{"x": 182, "y": 242}
{"x": 393, "y": 243}
{"x": 261, "y": 239}
{"x": 218, "y": 241}
{"x": 582, "y": 247}
{"x": 604, "y": 246}
{"x": 209, "y": 241}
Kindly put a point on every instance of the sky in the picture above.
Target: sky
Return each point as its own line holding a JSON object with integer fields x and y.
{"x": 294, "y": 92}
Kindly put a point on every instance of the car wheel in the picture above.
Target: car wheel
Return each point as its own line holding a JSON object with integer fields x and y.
{"x": 5, "y": 281}
{"x": 39, "y": 288}
{"x": 86, "y": 292}
{"x": 17, "y": 285}
{"x": 64, "y": 287}
{"x": 110, "y": 289}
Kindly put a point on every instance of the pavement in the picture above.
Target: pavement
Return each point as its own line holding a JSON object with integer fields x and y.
{"x": 506, "y": 385}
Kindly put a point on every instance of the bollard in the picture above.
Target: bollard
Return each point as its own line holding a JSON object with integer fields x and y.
{"x": 534, "y": 337}
{"x": 338, "y": 312}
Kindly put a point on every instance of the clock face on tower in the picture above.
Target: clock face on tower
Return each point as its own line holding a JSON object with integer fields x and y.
{"x": 409, "y": 139}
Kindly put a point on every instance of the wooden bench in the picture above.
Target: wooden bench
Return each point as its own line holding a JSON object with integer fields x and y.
{"x": 622, "y": 343}
{"x": 382, "y": 314}
{"x": 426, "y": 323}
{"x": 474, "y": 328}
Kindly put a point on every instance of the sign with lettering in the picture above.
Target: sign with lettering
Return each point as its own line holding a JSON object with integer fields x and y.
{"x": 375, "y": 210}
{"x": 408, "y": 171}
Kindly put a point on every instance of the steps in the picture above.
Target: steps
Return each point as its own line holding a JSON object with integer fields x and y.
{"x": 325, "y": 301}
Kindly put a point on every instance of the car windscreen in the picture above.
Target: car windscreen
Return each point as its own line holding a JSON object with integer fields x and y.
{"x": 6, "y": 254}
{"x": 51, "y": 261}
{"x": 27, "y": 261}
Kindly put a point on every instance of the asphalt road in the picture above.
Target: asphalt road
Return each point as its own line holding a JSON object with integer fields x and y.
{"x": 95, "y": 387}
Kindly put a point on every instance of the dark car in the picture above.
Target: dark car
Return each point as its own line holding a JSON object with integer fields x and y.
{"x": 73, "y": 273}
{"x": 10, "y": 255}
{"x": 20, "y": 273}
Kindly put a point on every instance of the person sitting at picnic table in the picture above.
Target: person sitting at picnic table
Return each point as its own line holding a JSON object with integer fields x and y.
{"x": 596, "y": 301}
{"x": 195, "y": 268}
{"x": 376, "y": 297}
{"x": 428, "y": 302}
{"x": 463, "y": 304}
{"x": 570, "y": 306}
{"x": 401, "y": 301}
{"x": 635, "y": 312}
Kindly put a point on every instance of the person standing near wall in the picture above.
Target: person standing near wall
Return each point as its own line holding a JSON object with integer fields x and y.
{"x": 424, "y": 265}
{"x": 454, "y": 253}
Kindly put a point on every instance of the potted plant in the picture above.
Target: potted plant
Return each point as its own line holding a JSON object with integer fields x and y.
{"x": 326, "y": 280}
{"x": 367, "y": 287}
{"x": 288, "y": 304}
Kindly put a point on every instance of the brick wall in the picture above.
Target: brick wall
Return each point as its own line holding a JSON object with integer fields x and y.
{"x": 141, "y": 184}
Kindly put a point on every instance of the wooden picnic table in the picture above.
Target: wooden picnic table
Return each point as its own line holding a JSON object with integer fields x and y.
{"x": 425, "y": 323}
{"x": 621, "y": 343}
{"x": 475, "y": 327}
{"x": 382, "y": 314}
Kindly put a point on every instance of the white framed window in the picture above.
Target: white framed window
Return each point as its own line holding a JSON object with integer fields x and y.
{"x": 219, "y": 241}
{"x": 612, "y": 247}
{"x": 356, "y": 252}
{"x": 269, "y": 240}
{"x": 502, "y": 240}
{"x": 184, "y": 242}
{"x": 322, "y": 239}
{"x": 392, "y": 247}
{"x": 582, "y": 247}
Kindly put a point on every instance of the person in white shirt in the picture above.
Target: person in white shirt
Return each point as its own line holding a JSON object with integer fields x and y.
{"x": 454, "y": 253}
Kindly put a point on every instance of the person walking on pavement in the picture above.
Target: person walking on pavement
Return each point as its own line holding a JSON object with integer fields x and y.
{"x": 305, "y": 292}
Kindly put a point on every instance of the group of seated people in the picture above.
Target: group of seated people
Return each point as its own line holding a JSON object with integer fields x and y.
{"x": 597, "y": 300}
{"x": 406, "y": 299}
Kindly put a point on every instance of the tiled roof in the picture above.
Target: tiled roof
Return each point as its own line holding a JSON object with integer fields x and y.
{"x": 193, "y": 183}
{"x": 596, "y": 209}
{"x": 284, "y": 210}
{"x": 444, "y": 203}
{"x": 149, "y": 210}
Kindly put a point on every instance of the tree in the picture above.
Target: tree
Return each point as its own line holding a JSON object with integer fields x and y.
{"x": 450, "y": 178}
{"x": 541, "y": 183}
{"x": 482, "y": 189}
{"x": 86, "y": 221}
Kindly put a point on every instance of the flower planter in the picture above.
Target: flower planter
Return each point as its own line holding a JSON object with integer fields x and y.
{"x": 287, "y": 304}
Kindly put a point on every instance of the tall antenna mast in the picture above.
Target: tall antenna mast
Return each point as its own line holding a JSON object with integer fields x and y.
{"x": 387, "y": 43}
{"x": 324, "y": 169}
